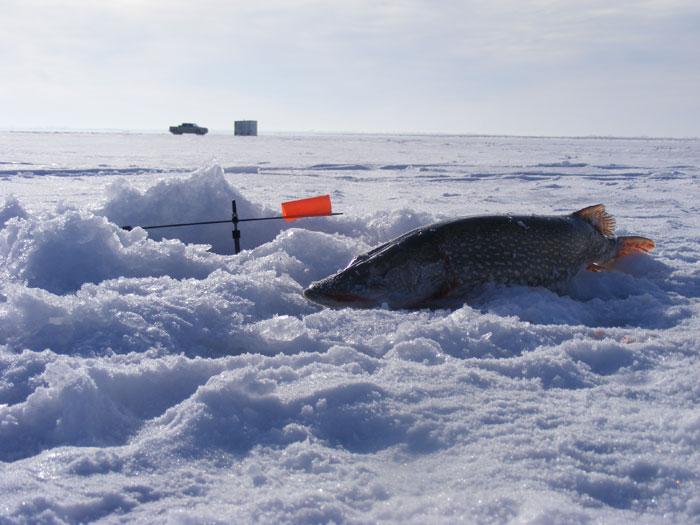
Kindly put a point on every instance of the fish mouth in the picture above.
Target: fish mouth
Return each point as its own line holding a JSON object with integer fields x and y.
{"x": 338, "y": 300}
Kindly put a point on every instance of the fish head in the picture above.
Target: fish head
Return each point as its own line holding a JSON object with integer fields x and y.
{"x": 362, "y": 284}
{"x": 335, "y": 292}
{"x": 392, "y": 276}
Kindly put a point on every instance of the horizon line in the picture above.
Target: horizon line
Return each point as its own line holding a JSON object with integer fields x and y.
{"x": 57, "y": 129}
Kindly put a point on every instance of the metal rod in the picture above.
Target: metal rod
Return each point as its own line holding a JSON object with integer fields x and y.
{"x": 129, "y": 228}
{"x": 285, "y": 217}
{"x": 236, "y": 232}
{"x": 174, "y": 225}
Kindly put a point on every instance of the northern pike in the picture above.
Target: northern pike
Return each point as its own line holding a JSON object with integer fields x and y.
{"x": 447, "y": 262}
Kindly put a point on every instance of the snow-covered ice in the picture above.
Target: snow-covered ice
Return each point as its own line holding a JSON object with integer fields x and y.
{"x": 156, "y": 377}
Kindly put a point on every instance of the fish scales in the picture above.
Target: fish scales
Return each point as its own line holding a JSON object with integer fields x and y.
{"x": 447, "y": 261}
{"x": 532, "y": 251}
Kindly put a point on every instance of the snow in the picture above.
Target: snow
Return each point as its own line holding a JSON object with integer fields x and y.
{"x": 153, "y": 376}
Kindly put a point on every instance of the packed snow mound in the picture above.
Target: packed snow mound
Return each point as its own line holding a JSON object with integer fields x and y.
{"x": 62, "y": 253}
{"x": 11, "y": 208}
{"x": 206, "y": 195}
{"x": 203, "y": 196}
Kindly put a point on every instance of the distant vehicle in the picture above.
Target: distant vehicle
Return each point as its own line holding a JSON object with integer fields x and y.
{"x": 188, "y": 127}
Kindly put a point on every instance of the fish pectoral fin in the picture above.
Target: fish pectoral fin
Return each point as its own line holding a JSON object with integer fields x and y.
{"x": 599, "y": 218}
{"x": 630, "y": 244}
{"x": 593, "y": 267}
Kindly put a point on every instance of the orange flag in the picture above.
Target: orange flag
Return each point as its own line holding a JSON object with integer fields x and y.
{"x": 313, "y": 207}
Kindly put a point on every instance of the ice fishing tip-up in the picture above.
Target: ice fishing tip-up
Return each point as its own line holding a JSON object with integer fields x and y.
{"x": 292, "y": 210}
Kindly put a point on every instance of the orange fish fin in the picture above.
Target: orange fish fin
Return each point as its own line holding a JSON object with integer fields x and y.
{"x": 599, "y": 218}
{"x": 593, "y": 267}
{"x": 629, "y": 244}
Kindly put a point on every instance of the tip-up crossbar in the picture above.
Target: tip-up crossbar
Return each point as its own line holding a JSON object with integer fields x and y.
{"x": 235, "y": 220}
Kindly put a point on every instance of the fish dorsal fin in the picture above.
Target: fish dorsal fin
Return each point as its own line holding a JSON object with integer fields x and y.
{"x": 599, "y": 218}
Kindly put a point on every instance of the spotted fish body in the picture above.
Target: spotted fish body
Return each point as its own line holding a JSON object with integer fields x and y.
{"x": 448, "y": 261}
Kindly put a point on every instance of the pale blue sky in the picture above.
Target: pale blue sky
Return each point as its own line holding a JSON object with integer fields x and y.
{"x": 592, "y": 67}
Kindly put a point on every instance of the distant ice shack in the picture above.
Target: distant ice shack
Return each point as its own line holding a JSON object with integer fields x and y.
{"x": 246, "y": 127}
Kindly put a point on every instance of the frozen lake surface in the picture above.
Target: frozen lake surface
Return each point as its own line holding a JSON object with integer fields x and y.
{"x": 156, "y": 377}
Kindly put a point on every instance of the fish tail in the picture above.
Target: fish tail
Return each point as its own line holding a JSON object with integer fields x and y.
{"x": 627, "y": 244}
{"x": 624, "y": 245}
